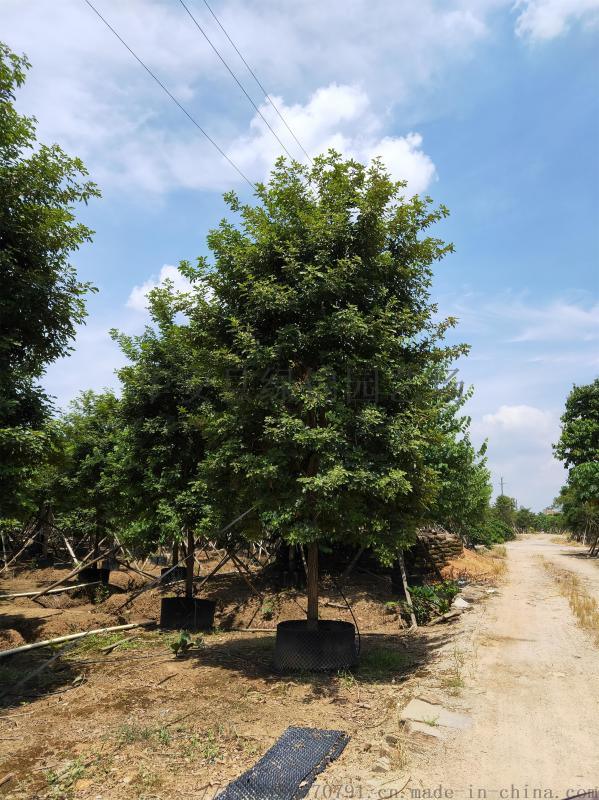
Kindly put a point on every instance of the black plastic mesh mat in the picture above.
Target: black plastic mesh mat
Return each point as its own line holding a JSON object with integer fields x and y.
{"x": 288, "y": 769}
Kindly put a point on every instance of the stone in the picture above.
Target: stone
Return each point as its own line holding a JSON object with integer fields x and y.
{"x": 434, "y": 715}
{"x": 413, "y": 728}
{"x": 382, "y": 765}
{"x": 459, "y": 602}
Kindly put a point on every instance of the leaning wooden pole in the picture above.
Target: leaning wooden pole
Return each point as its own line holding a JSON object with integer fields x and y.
{"x": 75, "y": 571}
{"x": 404, "y": 580}
{"x": 71, "y": 637}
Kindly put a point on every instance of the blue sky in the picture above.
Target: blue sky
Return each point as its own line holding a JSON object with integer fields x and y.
{"x": 492, "y": 107}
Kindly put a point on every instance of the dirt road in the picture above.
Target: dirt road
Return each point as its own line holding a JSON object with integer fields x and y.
{"x": 531, "y": 688}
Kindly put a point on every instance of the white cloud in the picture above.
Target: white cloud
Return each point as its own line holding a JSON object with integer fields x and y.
{"x": 547, "y": 19}
{"x": 341, "y": 117}
{"x": 90, "y": 95}
{"x": 522, "y": 419}
{"x": 518, "y": 318}
{"x": 138, "y": 298}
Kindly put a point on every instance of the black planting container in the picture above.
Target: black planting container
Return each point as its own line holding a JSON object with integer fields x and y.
{"x": 330, "y": 645}
{"x": 187, "y": 613}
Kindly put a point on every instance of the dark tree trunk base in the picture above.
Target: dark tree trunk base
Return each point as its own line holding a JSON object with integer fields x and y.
{"x": 327, "y": 645}
{"x": 91, "y": 574}
{"x": 187, "y": 613}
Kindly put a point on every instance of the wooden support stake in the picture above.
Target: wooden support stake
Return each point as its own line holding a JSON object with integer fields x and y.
{"x": 75, "y": 571}
{"x": 245, "y": 577}
{"x": 71, "y": 637}
{"x": 404, "y": 580}
{"x": 50, "y": 591}
{"x": 352, "y": 563}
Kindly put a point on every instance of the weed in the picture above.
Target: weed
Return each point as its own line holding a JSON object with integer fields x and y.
{"x": 128, "y": 734}
{"x": 454, "y": 682}
{"x": 100, "y": 594}
{"x": 184, "y": 643}
{"x": 61, "y": 784}
{"x": 433, "y": 721}
{"x": 268, "y": 610}
{"x": 584, "y": 607}
{"x": 164, "y": 736}
{"x": 96, "y": 641}
{"x": 346, "y": 679}
{"x": 210, "y": 748}
{"x": 382, "y": 662}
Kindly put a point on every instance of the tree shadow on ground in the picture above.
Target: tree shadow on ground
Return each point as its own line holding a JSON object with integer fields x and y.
{"x": 14, "y": 668}
{"x": 384, "y": 658}
{"x": 583, "y": 556}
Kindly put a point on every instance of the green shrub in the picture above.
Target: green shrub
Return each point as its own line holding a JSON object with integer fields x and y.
{"x": 432, "y": 599}
{"x": 492, "y": 531}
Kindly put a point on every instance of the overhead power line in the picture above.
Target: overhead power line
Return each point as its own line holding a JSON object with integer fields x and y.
{"x": 235, "y": 78}
{"x": 255, "y": 77}
{"x": 171, "y": 95}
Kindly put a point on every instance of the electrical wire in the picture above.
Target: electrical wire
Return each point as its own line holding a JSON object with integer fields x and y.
{"x": 235, "y": 78}
{"x": 171, "y": 95}
{"x": 255, "y": 77}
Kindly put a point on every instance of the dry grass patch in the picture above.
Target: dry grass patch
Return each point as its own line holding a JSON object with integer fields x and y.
{"x": 481, "y": 567}
{"x": 583, "y": 605}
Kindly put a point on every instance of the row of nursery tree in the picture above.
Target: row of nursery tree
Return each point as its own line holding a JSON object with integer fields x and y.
{"x": 305, "y": 375}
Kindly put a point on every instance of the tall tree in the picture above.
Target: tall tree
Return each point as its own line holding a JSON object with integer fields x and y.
{"x": 42, "y": 300}
{"x": 579, "y": 439}
{"x": 319, "y": 328}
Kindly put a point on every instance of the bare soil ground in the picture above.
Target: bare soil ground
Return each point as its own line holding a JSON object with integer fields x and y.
{"x": 139, "y": 724}
{"x": 531, "y": 688}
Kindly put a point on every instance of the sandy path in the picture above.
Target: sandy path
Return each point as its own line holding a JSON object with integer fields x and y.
{"x": 532, "y": 689}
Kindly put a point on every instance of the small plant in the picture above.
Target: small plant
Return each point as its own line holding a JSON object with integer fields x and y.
{"x": 346, "y": 679}
{"x": 268, "y": 610}
{"x": 164, "y": 736}
{"x": 61, "y": 783}
{"x": 210, "y": 748}
{"x": 432, "y": 599}
{"x": 128, "y": 734}
{"x": 392, "y": 607}
{"x": 100, "y": 594}
{"x": 433, "y": 721}
{"x": 184, "y": 643}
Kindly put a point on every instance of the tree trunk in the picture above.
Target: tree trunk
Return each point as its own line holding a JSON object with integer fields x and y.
{"x": 175, "y": 558}
{"x": 45, "y": 526}
{"x": 189, "y": 564}
{"x": 313, "y": 585}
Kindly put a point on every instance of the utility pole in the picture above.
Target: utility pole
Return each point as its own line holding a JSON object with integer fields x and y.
{"x": 501, "y": 482}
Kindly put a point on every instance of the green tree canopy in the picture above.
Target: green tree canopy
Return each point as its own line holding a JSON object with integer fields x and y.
{"x": 579, "y": 440}
{"x": 320, "y": 335}
{"x": 42, "y": 300}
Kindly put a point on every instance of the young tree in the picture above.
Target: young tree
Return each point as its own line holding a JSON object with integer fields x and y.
{"x": 526, "y": 519}
{"x": 462, "y": 502}
{"x": 41, "y": 301}
{"x": 162, "y": 410}
{"x": 320, "y": 335}
{"x": 83, "y": 487}
{"x": 504, "y": 509}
